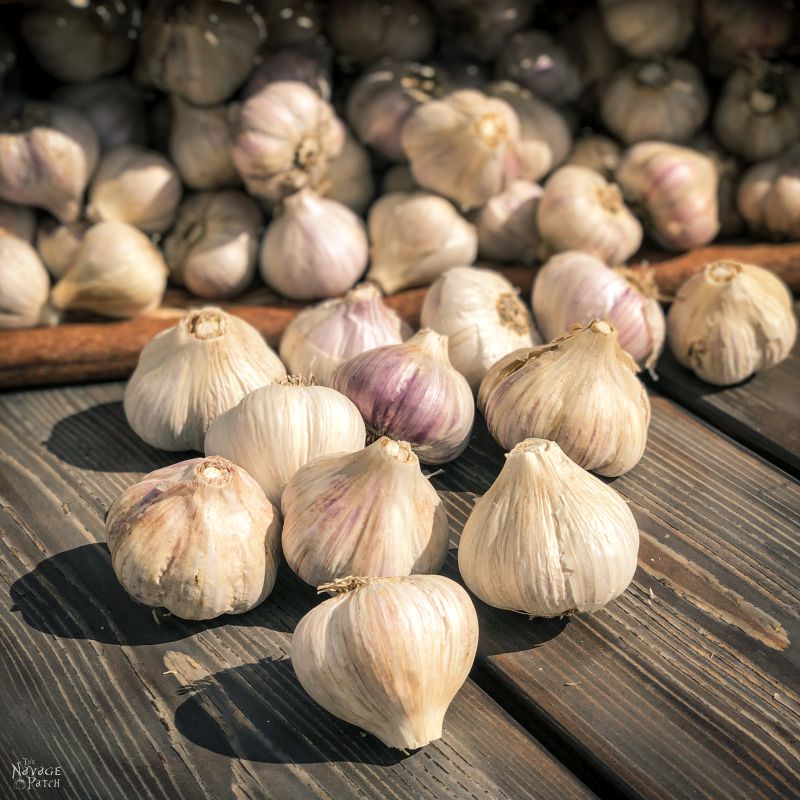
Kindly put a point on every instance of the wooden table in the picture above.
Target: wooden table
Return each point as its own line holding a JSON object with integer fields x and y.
{"x": 685, "y": 687}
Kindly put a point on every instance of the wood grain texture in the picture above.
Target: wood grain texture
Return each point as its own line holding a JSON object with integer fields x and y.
{"x": 130, "y": 708}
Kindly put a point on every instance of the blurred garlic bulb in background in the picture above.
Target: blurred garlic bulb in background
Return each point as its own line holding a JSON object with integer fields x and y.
{"x": 321, "y": 337}
{"x": 203, "y": 50}
{"x": 730, "y": 321}
{"x": 388, "y": 654}
{"x": 135, "y": 185}
{"x": 416, "y": 237}
{"x": 189, "y": 374}
{"x": 677, "y": 189}
{"x": 292, "y": 22}
{"x": 306, "y": 65}
{"x": 348, "y": 179}
{"x": 314, "y": 248}
{"x": 281, "y": 427}
{"x": 548, "y": 538}
{"x": 285, "y": 135}
{"x": 590, "y": 47}
{"x": 58, "y": 242}
{"x": 200, "y": 141}
{"x": 116, "y": 272}
{"x": 371, "y": 512}
{"x": 398, "y": 178}
{"x": 580, "y": 390}
{"x": 598, "y": 153}
{"x": 663, "y": 100}
{"x": 648, "y": 28}
{"x": 575, "y": 288}
{"x": 212, "y": 248}
{"x": 47, "y": 155}
{"x": 411, "y": 392}
{"x": 465, "y": 146}
{"x": 482, "y": 316}
{"x": 24, "y": 283}
{"x": 167, "y": 532}
{"x": 581, "y": 210}
{"x": 19, "y": 221}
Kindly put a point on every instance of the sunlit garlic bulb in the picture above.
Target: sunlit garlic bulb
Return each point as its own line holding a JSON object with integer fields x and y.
{"x": 648, "y": 28}
{"x": 24, "y": 283}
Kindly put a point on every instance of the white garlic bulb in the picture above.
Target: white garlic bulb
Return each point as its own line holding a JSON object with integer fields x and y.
{"x": 415, "y": 237}
{"x": 575, "y": 288}
{"x": 47, "y": 155}
{"x": 482, "y": 316}
{"x": 581, "y": 210}
{"x": 135, "y": 185}
{"x": 212, "y": 248}
{"x": 24, "y": 284}
{"x": 197, "y": 538}
{"x": 580, "y": 390}
{"x": 57, "y": 243}
{"x": 548, "y": 538}
{"x": 388, "y": 654}
{"x": 309, "y": 65}
{"x": 647, "y": 28}
{"x": 369, "y": 513}
{"x": 279, "y": 428}
{"x": 465, "y": 146}
{"x": 315, "y": 248}
{"x": 730, "y": 321}
{"x": 116, "y": 272}
{"x": 321, "y": 337}
{"x": 189, "y": 374}
{"x": 19, "y": 221}
{"x": 348, "y": 179}
{"x": 598, "y": 153}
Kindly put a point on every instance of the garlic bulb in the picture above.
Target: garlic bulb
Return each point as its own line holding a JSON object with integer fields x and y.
{"x": 398, "y": 178}
{"x": 730, "y": 321}
{"x": 285, "y": 136}
{"x": 580, "y": 390}
{"x": 114, "y": 106}
{"x": 321, "y": 337}
{"x": 482, "y": 316}
{"x": 363, "y": 31}
{"x": 581, "y": 210}
{"x": 465, "y": 146}
{"x": 307, "y": 65}
{"x": 348, "y": 179}
{"x": 663, "y": 100}
{"x": 384, "y": 97}
{"x": 81, "y": 41}
{"x": 200, "y": 141}
{"x": 315, "y": 248}
{"x": 677, "y": 189}
{"x": 575, "y": 288}
{"x": 535, "y": 60}
{"x": 203, "y": 50}
{"x": 24, "y": 283}
{"x": 47, "y": 155}
{"x": 648, "y": 28}
{"x": 416, "y": 237}
{"x": 412, "y": 392}
{"x": 116, "y": 272}
{"x": 506, "y": 225}
{"x": 292, "y": 22}
{"x": 545, "y": 137}
{"x": 758, "y": 113}
{"x": 371, "y": 512}
{"x": 19, "y": 221}
{"x": 279, "y": 428}
{"x": 212, "y": 248}
{"x": 598, "y": 153}
{"x": 388, "y": 654}
{"x": 58, "y": 242}
{"x": 197, "y": 538}
{"x": 191, "y": 373}
{"x": 135, "y": 185}
{"x": 548, "y": 538}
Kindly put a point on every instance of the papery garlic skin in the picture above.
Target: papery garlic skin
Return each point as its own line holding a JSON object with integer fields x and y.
{"x": 24, "y": 284}
{"x": 581, "y": 210}
{"x": 388, "y": 654}
{"x": 348, "y": 179}
{"x": 647, "y": 28}
{"x": 371, "y": 512}
{"x": 18, "y": 221}
{"x": 315, "y": 248}
{"x": 193, "y": 372}
{"x": 465, "y": 146}
{"x": 731, "y": 321}
{"x": 580, "y": 390}
{"x": 548, "y": 538}
{"x": 281, "y": 427}
{"x": 213, "y": 247}
{"x": 321, "y": 337}
{"x": 575, "y": 288}
{"x": 415, "y": 237}
{"x": 47, "y": 155}
{"x": 599, "y": 153}
{"x": 482, "y": 316}
{"x": 116, "y": 272}
{"x": 198, "y": 538}
{"x": 57, "y": 243}
{"x": 411, "y": 392}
